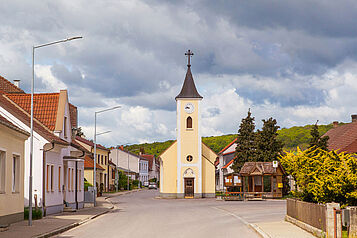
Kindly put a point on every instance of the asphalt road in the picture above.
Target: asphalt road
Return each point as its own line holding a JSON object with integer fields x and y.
{"x": 140, "y": 214}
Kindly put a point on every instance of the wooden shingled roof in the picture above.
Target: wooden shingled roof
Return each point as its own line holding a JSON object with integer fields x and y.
{"x": 260, "y": 168}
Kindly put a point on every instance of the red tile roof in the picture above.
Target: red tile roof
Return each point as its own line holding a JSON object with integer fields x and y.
{"x": 229, "y": 163}
{"x": 45, "y": 106}
{"x": 90, "y": 143}
{"x": 343, "y": 138}
{"x": 89, "y": 163}
{"x": 9, "y": 124}
{"x": 228, "y": 146}
{"x": 23, "y": 116}
{"x": 8, "y": 87}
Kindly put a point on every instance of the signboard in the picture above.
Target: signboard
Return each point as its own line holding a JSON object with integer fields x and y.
{"x": 280, "y": 185}
{"x": 275, "y": 164}
{"x": 236, "y": 180}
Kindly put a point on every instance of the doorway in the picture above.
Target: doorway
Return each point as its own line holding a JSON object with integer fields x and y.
{"x": 189, "y": 187}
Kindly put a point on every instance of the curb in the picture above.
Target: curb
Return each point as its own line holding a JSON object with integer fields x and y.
{"x": 73, "y": 225}
{"x": 259, "y": 231}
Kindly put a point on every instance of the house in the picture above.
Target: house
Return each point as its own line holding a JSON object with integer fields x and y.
{"x": 143, "y": 170}
{"x": 262, "y": 179}
{"x": 102, "y": 160}
{"x": 154, "y": 166}
{"x": 112, "y": 173}
{"x": 343, "y": 137}
{"x": 126, "y": 160}
{"x": 187, "y": 167}
{"x": 89, "y": 170}
{"x": 12, "y": 157}
{"x": 224, "y": 164}
{"x": 57, "y": 161}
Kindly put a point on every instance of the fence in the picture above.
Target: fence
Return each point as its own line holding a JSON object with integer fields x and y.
{"x": 309, "y": 213}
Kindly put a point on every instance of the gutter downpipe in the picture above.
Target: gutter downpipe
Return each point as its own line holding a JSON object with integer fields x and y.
{"x": 44, "y": 178}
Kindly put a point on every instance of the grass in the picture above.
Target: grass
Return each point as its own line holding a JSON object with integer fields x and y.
{"x": 36, "y": 213}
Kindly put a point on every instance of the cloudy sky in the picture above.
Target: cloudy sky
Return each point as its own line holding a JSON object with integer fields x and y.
{"x": 293, "y": 60}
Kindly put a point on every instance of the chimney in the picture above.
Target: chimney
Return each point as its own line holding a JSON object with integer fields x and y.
{"x": 354, "y": 117}
{"x": 335, "y": 124}
{"x": 17, "y": 83}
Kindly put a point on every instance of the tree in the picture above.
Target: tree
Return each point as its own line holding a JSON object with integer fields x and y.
{"x": 318, "y": 141}
{"x": 323, "y": 176}
{"x": 246, "y": 148}
{"x": 268, "y": 147}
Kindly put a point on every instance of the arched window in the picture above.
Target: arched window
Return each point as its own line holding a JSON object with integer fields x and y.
{"x": 189, "y": 122}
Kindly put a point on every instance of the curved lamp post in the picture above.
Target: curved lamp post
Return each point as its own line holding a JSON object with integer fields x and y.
{"x": 31, "y": 120}
{"x": 95, "y": 149}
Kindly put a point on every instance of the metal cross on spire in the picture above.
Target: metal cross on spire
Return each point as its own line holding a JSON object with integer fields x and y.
{"x": 189, "y": 54}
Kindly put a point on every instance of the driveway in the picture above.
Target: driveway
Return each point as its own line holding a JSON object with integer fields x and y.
{"x": 142, "y": 214}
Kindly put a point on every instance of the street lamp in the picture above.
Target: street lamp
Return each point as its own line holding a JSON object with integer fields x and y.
{"x": 95, "y": 150}
{"x": 31, "y": 120}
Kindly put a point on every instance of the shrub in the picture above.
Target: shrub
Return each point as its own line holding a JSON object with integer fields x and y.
{"x": 36, "y": 213}
{"x": 323, "y": 176}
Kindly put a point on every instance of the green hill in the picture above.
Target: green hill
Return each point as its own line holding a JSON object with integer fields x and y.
{"x": 291, "y": 137}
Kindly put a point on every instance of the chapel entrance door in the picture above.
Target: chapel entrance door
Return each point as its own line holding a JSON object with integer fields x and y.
{"x": 189, "y": 187}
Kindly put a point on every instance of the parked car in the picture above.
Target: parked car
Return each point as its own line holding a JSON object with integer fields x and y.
{"x": 152, "y": 185}
{"x": 146, "y": 183}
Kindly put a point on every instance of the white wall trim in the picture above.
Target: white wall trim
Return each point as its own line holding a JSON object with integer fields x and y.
{"x": 199, "y": 150}
{"x": 178, "y": 146}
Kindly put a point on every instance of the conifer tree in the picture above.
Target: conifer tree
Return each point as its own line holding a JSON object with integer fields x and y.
{"x": 318, "y": 141}
{"x": 246, "y": 149}
{"x": 268, "y": 147}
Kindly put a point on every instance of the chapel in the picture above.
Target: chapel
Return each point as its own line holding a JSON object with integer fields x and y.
{"x": 187, "y": 167}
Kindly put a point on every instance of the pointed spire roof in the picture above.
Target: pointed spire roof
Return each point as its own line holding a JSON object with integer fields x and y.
{"x": 189, "y": 88}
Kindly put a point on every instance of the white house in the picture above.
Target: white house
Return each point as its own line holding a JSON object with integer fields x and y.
{"x": 224, "y": 164}
{"x": 143, "y": 170}
{"x": 57, "y": 163}
{"x": 125, "y": 160}
{"x": 154, "y": 166}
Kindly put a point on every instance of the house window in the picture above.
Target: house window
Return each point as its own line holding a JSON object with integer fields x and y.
{"x": 189, "y": 123}
{"x": 69, "y": 180}
{"x": 189, "y": 158}
{"x": 79, "y": 180}
{"x": 65, "y": 127}
{"x": 15, "y": 173}
{"x": 2, "y": 171}
{"x": 52, "y": 169}
{"x": 47, "y": 177}
{"x": 106, "y": 160}
{"x": 59, "y": 178}
{"x": 102, "y": 159}
{"x": 72, "y": 180}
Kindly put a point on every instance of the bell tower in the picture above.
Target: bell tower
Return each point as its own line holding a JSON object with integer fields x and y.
{"x": 189, "y": 149}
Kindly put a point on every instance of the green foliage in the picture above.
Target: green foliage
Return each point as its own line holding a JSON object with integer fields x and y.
{"x": 323, "y": 176}
{"x": 267, "y": 145}
{"x": 123, "y": 180}
{"x": 317, "y": 141}
{"x": 36, "y": 213}
{"x": 86, "y": 185}
{"x": 135, "y": 183}
{"x": 246, "y": 148}
{"x": 299, "y": 136}
{"x": 291, "y": 138}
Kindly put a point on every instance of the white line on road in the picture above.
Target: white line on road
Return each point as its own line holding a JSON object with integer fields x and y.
{"x": 253, "y": 226}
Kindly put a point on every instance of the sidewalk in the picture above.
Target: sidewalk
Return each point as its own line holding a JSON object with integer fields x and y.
{"x": 280, "y": 229}
{"x": 58, "y": 223}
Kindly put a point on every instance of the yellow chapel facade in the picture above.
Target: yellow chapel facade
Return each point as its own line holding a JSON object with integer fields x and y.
{"x": 187, "y": 167}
